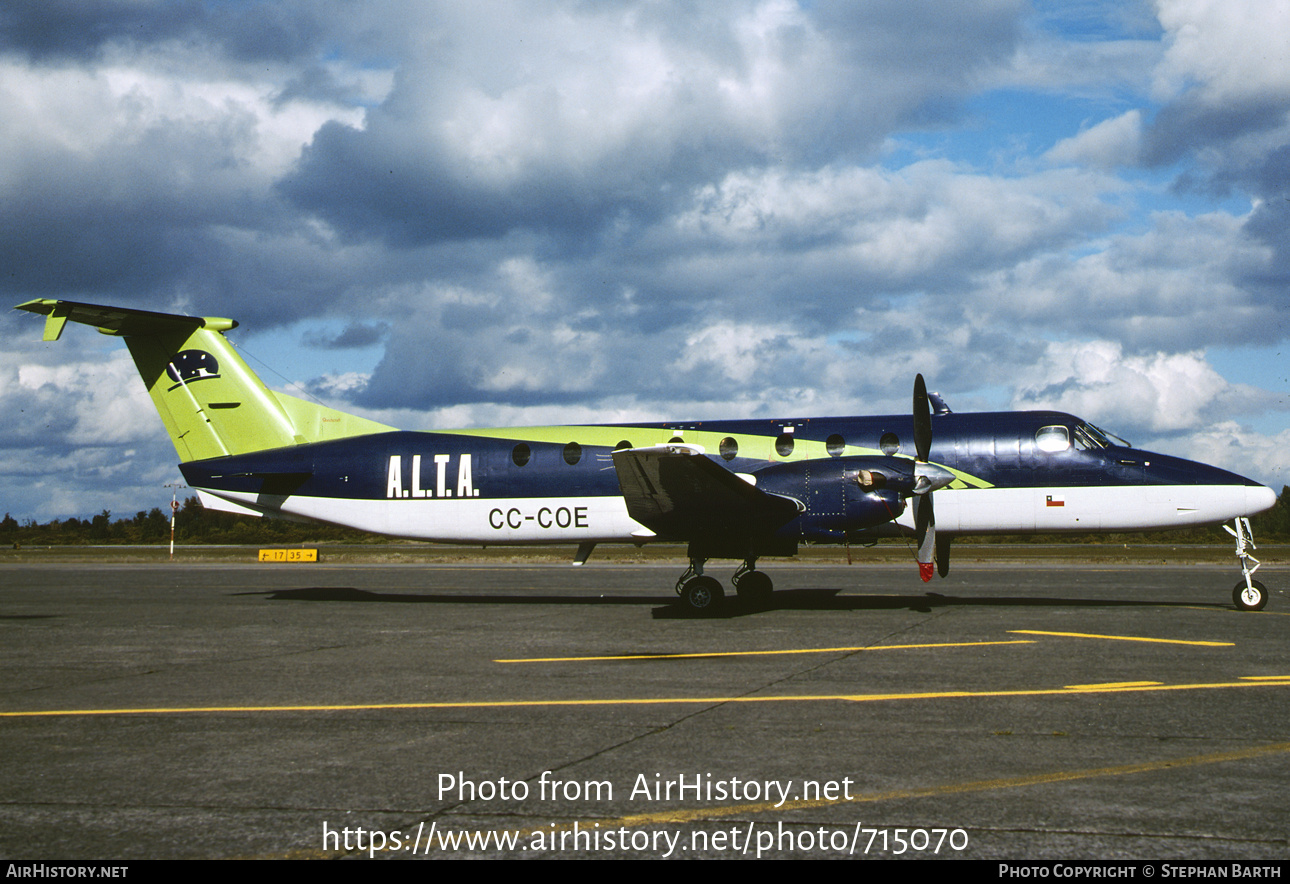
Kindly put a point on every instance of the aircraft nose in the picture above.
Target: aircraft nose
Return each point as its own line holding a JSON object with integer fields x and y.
{"x": 1258, "y": 499}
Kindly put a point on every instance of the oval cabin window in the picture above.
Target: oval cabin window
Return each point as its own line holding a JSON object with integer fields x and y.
{"x": 520, "y": 455}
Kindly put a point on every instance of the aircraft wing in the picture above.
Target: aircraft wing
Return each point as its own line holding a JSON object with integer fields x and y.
{"x": 678, "y": 493}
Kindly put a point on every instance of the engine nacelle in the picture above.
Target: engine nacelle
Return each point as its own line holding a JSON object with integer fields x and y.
{"x": 842, "y": 495}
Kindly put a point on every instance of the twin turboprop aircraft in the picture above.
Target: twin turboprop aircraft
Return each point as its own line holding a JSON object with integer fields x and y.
{"x": 739, "y": 489}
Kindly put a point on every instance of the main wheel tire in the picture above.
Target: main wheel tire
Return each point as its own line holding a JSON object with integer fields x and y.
{"x": 1250, "y": 598}
{"x": 703, "y": 595}
{"x": 755, "y": 587}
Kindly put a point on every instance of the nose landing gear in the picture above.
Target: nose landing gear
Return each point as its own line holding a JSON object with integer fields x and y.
{"x": 1249, "y": 594}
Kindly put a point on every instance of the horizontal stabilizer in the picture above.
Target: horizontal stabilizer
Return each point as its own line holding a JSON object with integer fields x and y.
{"x": 123, "y": 321}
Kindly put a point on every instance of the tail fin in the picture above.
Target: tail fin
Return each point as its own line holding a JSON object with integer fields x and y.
{"x": 211, "y": 403}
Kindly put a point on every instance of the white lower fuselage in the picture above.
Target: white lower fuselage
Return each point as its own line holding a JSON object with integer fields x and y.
{"x": 605, "y": 518}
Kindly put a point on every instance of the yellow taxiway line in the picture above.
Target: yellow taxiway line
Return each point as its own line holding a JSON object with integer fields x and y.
{"x": 1125, "y": 638}
{"x": 701, "y": 654}
{"x": 1068, "y": 690}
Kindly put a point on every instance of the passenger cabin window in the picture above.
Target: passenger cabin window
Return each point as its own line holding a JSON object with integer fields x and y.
{"x": 784, "y": 444}
{"x": 625, "y": 443}
{"x": 1053, "y": 438}
{"x": 835, "y": 445}
{"x": 520, "y": 454}
{"x": 729, "y": 448}
{"x": 889, "y": 444}
{"x": 572, "y": 453}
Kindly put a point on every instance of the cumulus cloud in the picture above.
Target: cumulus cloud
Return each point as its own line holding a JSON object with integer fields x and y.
{"x": 1156, "y": 393}
{"x": 1179, "y": 285}
{"x": 355, "y": 336}
{"x": 1224, "y": 52}
{"x": 1110, "y": 143}
{"x": 1225, "y": 83}
{"x": 124, "y": 177}
{"x": 81, "y": 436}
{"x": 1236, "y": 447}
{"x": 927, "y": 221}
{"x": 98, "y": 401}
{"x": 507, "y": 107}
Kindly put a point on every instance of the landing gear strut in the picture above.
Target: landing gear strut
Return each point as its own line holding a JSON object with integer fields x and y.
{"x": 1249, "y": 594}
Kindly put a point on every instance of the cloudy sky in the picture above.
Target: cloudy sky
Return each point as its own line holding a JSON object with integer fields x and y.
{"x": 443, "y": 214}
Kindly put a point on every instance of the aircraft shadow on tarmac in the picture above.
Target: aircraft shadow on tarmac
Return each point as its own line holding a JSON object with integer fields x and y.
{"x": 806, "y": 599}
{"x": 827, "y": 599}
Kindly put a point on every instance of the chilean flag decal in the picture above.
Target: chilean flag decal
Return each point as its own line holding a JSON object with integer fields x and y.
{"x": 1054, "y": 500}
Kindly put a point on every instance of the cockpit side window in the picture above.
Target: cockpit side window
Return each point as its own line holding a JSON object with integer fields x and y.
{"x": 1054, "y": 438}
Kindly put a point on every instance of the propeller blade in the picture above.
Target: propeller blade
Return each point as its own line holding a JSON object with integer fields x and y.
{"x": 922, "y": 421}
{"x": 943, "y": 555}
{"x": 927, "y": 480}
{"x": 925, "y": 531}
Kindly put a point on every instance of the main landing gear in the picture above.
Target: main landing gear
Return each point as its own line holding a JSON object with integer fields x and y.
{"x": 1249, "y": 594}
{"x": 753, "y": 586}
{"x": 701, "y": 594}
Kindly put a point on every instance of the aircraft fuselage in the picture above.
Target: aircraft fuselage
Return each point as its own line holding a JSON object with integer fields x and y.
{"x": 1014, "y": 472}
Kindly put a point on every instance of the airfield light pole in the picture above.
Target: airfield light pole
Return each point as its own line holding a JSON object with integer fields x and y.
{"x": 174, "y": 509}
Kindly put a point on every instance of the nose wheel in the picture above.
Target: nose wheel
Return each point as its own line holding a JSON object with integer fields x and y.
{"x": 1249, "y": 594}
{"x": 1251, "y": 597}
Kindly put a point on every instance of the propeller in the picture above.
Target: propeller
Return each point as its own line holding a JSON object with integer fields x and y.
{"x": 927, "y": 478}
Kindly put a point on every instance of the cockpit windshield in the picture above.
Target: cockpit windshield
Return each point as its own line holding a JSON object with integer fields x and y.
{"x": 1092, "y": 438}
{"x": 1084, "y": 436}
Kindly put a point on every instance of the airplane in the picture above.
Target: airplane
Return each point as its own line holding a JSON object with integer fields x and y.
{"x": 729, "y": 489}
